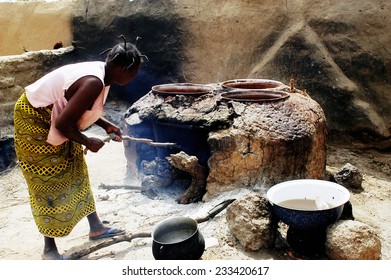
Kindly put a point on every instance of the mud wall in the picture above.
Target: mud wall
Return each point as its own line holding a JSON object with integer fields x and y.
{"x": 34, "y": 25}
{"x": 335, "y": 50}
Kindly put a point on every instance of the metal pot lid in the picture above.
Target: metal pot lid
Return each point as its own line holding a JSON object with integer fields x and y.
{"x": 182, "y": 89}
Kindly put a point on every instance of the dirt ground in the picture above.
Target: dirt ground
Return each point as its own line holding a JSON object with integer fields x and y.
{"x": 20, "y": 240}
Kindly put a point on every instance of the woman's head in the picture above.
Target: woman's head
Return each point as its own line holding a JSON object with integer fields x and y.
{"x": 124, "y": 54}
{"x": 125, "y": 57}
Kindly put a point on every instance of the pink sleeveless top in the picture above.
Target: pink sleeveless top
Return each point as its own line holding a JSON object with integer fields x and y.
{"x": 50, "y": 90}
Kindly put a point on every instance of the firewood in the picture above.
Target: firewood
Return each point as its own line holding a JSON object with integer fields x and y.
{"x": 198, "y": 174}
{"x": 119, "y": 186}
{"x": 147, "y": 141}
{"x": 106, "y": 243}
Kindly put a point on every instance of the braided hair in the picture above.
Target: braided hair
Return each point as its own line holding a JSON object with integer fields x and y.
{"x": 124, "y": 54}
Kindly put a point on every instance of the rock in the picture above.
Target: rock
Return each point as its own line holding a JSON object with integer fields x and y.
{"x": 249, "y": 220}
{"x": 156, "y": 174}
{"x": 349, "y": 177}
{"x": 198, "y": 174}
{"x": 352, "y": 240}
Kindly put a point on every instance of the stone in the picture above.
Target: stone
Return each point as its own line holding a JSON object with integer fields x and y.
{"x": 349, "y": 176}
{"x": 249, "y": 220}
{"x": 352, "y": 240}
{"x": 198, "y": 173}
{"x": 156, "y": 174}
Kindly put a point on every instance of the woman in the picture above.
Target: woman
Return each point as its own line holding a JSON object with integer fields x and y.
{"x": 49, "y": 118}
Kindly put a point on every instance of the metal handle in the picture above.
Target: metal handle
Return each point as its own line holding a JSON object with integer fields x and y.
{"x": 220, "y": 207}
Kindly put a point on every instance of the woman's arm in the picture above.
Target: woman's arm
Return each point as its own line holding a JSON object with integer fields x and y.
{"x": 84, "y": 93}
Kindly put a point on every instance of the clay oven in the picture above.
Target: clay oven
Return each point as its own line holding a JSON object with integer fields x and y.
{"x": 249, "y": 133}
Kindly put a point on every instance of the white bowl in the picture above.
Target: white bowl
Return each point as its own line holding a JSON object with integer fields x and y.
{"x": 331, "y": 193}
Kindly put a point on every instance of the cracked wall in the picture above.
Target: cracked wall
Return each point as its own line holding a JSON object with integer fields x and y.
{"x": 335, "y": 50}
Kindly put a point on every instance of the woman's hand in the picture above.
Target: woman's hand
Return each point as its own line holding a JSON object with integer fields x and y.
{"x": 94, "y": 144}
{"x": 110, "y": 128}
{"x": 116, "y": 130}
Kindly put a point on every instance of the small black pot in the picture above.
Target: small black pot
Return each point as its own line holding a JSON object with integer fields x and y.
{"x": 177, "y": 238}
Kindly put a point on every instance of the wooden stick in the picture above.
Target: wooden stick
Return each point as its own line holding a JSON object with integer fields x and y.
{"x": 106, "y": 243}
{"x": 138, "y": 140}
{"x": 117, "y": 187}
{"x": 148, "y": 141}
{"x": 134, "y": 139}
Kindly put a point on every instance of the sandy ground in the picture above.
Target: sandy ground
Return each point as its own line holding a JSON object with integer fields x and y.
{"x": 131, "y": 210}
{"x": 20, "y": 240}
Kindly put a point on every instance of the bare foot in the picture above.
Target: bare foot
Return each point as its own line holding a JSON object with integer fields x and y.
{"x": 53, "y": 255}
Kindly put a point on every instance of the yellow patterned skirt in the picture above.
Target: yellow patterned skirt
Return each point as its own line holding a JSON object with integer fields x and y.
{"x": 57, "y": 176}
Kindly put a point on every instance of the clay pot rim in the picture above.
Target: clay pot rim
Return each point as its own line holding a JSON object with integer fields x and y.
{"x": 182, "y": 89}
{"x": 254, "y": 95}
{"x": 252, "y": 84}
